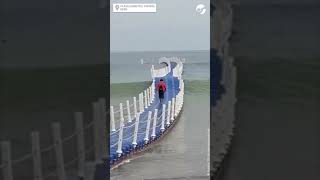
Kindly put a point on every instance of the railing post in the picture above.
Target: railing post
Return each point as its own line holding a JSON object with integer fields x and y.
{"x": 145, "y": 99}
{"x": 128, "y": 112}
{"x": 141, "y": 102}
{"x": 176, "y": 105}
{"x": 113, "y": 125}
{"x": 182, "y": 92}
{"x": 150, "y": 94}
{"x": 97, "y": 131}
{"x": 121, "y": 111}
{"x": 172, "y": 110}
{"x": 163, "y": 116}
{"x": 146, "y": 138}
{"x": 36, "y": 156}
{"x": 119, "y": 151}
{"x": 135, "y": 106}
{"x": 6, "y": 160}
{"x": 153, "y": 89}
{"x": 154, "y": 125}
{"x": 168, "y": 113}
{"x": 148, "y": 97}
{"x": 136, "y": 128}
{"x": 58, "y": 151}
{"x": 180, "y": 100}
{"x": 80, "y": 144}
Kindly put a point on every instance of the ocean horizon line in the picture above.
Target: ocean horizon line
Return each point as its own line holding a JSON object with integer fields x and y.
{"x": 157, "y": 51}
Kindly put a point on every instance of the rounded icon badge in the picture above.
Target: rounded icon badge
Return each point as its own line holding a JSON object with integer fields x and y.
{"x": 117, "y": 7}
{"x": 201, "y": 9}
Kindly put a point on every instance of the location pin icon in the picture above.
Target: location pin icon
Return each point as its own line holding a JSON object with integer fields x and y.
{"x": 117, "y": 7}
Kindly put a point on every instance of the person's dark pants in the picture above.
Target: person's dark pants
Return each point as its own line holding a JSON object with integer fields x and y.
{"x": 161, "y": 96}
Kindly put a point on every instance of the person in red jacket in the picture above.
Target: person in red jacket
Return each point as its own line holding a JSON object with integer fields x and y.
{"x": 161, "y": 87}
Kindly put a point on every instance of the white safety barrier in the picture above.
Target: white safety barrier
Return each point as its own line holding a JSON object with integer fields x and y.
{"x": 163, "y": 117}
{"x": 154, "y": 124}
{"x": 146, "y": 139}
{"x": 113, "y": 126}
{"x": 145, "y": 99}
{"x": 128, "y": 112}
{"x": 141, "y": 102}
{"x": 135, "y": 111}
{"x": 172, "y": 110}
{"x": 136, "y": 128}
{"x": 168, "y": 113}
{"x": 119, "y": 151}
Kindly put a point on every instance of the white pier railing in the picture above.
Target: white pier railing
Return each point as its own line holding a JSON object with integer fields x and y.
{"x": 152, "y": 122}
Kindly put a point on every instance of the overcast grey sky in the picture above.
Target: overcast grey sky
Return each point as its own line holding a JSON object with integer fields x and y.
{"x": 176, "y": 26}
